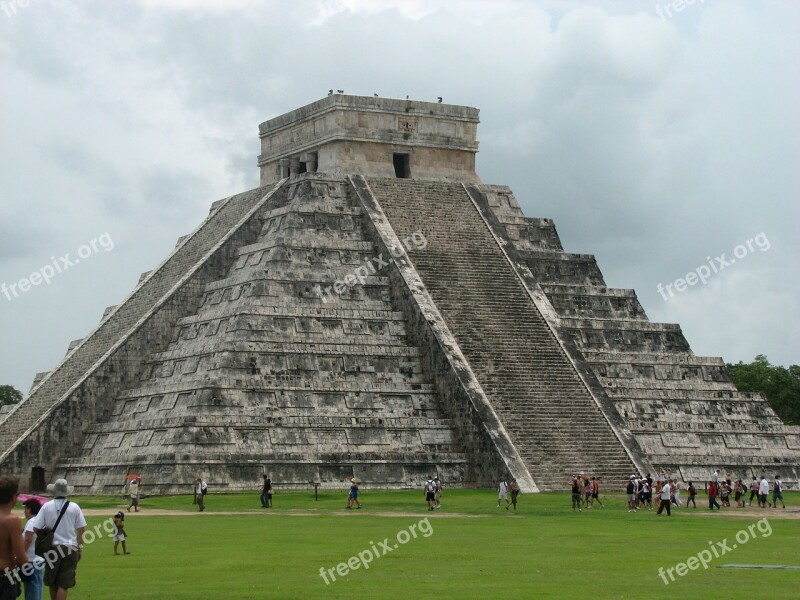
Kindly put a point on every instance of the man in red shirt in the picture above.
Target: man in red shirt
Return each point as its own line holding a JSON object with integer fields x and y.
{"x": 712, "y": 496}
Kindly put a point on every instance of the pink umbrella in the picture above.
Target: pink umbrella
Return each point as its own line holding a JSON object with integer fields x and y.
{"x": 26, "y": 497}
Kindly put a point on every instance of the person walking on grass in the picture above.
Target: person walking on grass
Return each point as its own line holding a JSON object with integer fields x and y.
{"x": 666, "y": 499}
{"x": 514, "y": 489}
{"x": 777, "y": 492}
{"x": 59, "y": 575}
{"x": 33, "y": 581}
{"x": 596, "y": 492}
{"x": 692, "y": 491}
{"x": 352, "y": 496}
{"x": 119, "y": 532}
{"x": 629, "y": 490}
{"x": 430, "y": 493}
{"x": 576, "y": 495}
{"x": 753, "y": 490}
{"x": 133, "y": 490}
{"x": 763, "y": 492}
{"x": 266, "y": 492}
{"x": 502, "y": 493}
{"x": 437, "y": 493}
{"x": 200, "y": 492}
{"x": 712, "y": 496}
{"x": 12, "y": 545}
{"x": 587, "y": 493}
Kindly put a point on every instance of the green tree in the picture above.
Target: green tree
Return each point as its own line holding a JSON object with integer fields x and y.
{"x": 9, "y": 395}
{"x": 780, "y": 385}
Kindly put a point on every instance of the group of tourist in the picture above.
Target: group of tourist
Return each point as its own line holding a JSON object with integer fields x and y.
{"x": 667, "y": 491}
{"x": 59, "y": 522}
{"x": 585, "y": 492}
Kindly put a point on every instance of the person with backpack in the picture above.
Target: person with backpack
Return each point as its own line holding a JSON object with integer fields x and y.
{"x": 430, "y": 492}
{"x": 266, "y": 492}
{"x": 61, "y": 522}
{"x": 514, "y": 488}
{"x": 692, "y": 491}
{"x": 777, "y": 492}
{"x": 200, "y": 493}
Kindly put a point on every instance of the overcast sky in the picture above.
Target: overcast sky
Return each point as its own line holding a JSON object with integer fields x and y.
{"x": 657, "y": 139}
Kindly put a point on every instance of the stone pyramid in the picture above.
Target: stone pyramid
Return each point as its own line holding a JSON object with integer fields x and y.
{"x": 374, "y": 310}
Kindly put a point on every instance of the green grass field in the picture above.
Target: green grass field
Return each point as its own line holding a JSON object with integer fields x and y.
{"x": 472, "y": 549}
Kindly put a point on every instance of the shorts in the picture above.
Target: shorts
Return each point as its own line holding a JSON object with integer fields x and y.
{"x": 501, "y": 496}
{"x": 134, "y": 500}
{"x": 8, "y": 591}
{"x": 62, "y": 572}
{"x": 430, "y": 496}
{"x": 777, "y": 496}
{"x": 595, "y": 495}
{"x": 631, "y": 497}
{"x": 762, "y": 498}
{"x": 119, "y": 537}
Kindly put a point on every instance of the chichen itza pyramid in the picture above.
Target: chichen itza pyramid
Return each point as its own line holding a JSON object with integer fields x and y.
{"x": 374, "y": 309}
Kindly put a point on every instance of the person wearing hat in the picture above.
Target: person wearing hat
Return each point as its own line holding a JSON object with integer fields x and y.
{"x": 353, "y": 495}
{"x": 59, "y": 570}
{"x": 33, "y": 581}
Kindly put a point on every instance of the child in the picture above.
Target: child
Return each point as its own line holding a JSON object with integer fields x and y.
{"x": 120, "y": 535}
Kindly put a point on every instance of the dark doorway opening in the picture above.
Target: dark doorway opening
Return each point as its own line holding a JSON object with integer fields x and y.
{"x": 402, "y": 168}
{"x": 38, "y": 483}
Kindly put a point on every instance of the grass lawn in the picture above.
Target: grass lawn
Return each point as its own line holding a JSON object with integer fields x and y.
{"x": 544, "y": 551}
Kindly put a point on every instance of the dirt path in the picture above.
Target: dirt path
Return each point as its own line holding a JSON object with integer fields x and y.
{"x": 161, "y": 512}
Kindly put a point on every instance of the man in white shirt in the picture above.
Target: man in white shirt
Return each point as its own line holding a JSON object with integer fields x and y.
{"x": 61, "y": 562}
{"x": 665, "y": 499}
{"x": 763, "y": 491}
{"x": 200, "y": 493}
{"x": 503, "y": 493}
{"x": 133, "y": 490}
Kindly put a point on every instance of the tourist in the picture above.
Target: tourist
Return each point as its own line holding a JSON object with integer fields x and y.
{"x": 753, "y": 490}
{"x": 59, "y": 575}
{"x": 692, "y": 491}
{"x": 638, "y": 491}
{"x": 646, "y": 494}
{"x": 514, "y": 488}
{"x": 266, "y": 492}
{"x": 133, "y": 490}
{"x": 666, "y": 499}
{"x": 12, "y": 550}
{"x": 352, "y": 496}
{"x": 629, "y": 490}
{"x": 119, "y": 532}
{"x": 502, "y": 493}
{"x": 438, "y": 493}
{"x": 596, "y": 492}
{"x": 33, "y": 580}
{"x": 576, "y": 494}
{"x": 715, "y": 478}
{"x": 738, "y": 493}
{"x": 725, "y": 493}
{"x": 430, "y": 492}
{"x": 763, "y": 492}
{"x": 777, "y": 492}
{"x": 200, "y": 493}
{"x": 712, "y": 496}
{"x": 676, "y": 492}
{"x": 587, "y": 493}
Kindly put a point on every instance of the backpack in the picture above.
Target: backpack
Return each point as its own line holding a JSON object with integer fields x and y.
{"x": 204, "y": 489}
{"x": 430, "y": 486}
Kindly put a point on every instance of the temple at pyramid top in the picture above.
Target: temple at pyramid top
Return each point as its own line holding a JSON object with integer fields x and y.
{"x": 365, "y": 135}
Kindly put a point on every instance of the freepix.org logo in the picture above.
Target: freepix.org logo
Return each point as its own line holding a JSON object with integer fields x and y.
{"x": 56, "y": 266}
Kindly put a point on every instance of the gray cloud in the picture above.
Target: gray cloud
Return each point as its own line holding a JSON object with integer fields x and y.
{"x": 652, "y": 142}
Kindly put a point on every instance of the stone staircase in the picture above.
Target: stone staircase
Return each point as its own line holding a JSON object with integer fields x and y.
{"x": 269, "y": 375}
{"x": 526, "y": 374}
